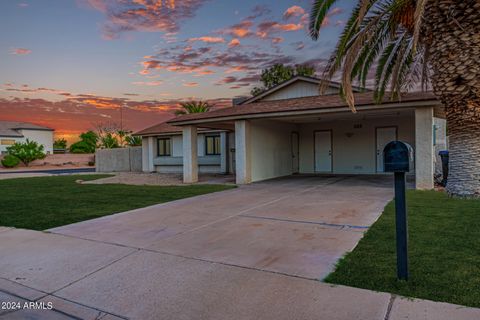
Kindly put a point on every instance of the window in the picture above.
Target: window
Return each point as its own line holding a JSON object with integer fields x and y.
{"x": 7, "y": 142}
{"x": 164, "y": 147}
{"x": 212, "y": 145}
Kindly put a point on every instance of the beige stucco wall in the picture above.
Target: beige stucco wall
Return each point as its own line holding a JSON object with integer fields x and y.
{"x": 355, "y": 154}
{"x": 271, "y": 154}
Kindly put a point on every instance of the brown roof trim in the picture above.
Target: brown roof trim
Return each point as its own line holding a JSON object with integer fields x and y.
{"x": 166, "y": 129}
{"x": 305, "y": 105}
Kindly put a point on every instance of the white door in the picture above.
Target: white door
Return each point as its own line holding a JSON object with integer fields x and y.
{"x": 323, "y": 151}
{"x": 383, "y": 137}
{"x": 295, "y": 152}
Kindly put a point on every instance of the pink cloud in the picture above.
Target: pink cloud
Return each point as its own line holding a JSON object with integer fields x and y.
{"x": 190, "y": 84}
{"x": 239, "y": 30}
{"x": 234, "y": 43}
{"x": 20, "y": 51}
{"x": 293, "y": 11}
{"x": 277, "y": 40}
{"x": 144, "y": 15}
{"x": 207, "y": 39}
{"x": 147, "y": 83}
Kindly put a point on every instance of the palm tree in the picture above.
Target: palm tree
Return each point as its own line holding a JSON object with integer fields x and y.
{"x": 412, "y": 42}
{"x": 193, "y": 107}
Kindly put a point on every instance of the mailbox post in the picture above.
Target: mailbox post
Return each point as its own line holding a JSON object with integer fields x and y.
{"x": 397, "y": 157}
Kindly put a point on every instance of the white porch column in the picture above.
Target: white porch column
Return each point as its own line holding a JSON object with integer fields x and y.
{"x": 243, "y": 152}
{"x": 424, "y": 151}
{"x": 223, "y": 152}
{"x": 190, "y": 163}
{"x": 148, "y": 148}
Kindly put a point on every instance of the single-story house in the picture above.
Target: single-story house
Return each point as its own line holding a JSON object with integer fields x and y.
{"x": 11, "y": 132}
{"x": 162, "y": 149}
{"x": 292, "y": 129}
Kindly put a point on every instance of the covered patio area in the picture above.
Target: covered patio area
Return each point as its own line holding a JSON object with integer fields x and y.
{"x": 323, "y": 139}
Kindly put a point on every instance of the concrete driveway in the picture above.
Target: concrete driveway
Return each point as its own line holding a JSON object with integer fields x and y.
{"x": 255, "y": 252}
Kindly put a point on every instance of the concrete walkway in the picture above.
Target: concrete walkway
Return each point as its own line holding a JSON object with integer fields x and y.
{"x": 255, "y": 252}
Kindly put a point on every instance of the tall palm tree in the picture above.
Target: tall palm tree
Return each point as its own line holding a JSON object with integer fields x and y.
{"x": 412, "y": 42}
{"x": 193, "y": 107}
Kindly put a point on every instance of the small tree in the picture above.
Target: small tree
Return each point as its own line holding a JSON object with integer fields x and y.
{"x": 60, "y": 144}
{"x": 27, "y": 151}
{"x": 87, "y": 144}
{"x": 279, "y": 73}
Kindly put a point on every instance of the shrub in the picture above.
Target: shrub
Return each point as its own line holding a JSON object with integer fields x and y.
{"x": 109, "y": 141}
{"x": 60, "y": 144}
{"x": 87, "y": 144}
{"x": 133, "y": 141}
{"x": 27, "y": 151}
{"x": 10, "y": 161}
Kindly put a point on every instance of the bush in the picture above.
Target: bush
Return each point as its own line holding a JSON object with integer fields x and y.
{"x": 60, "y": 144}
{"x": 109, "y": 141}
{"x": 82, "y": 147}
{"x": 10, "y": 161}
{"x": 27, "y": 151}
{"x": 133, "y": 141}
{"x": 87, "y": 144}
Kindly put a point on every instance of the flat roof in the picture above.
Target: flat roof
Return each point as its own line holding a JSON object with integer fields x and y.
{"x": 326, "y": 103}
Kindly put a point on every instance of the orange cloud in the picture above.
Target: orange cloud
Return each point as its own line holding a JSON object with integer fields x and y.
{"x": 239, "y": 30}
{"x": 20, "y": 51}
{"x": 148, "y": 83}
{"x": 293, "y": 11}
{"x": 289, "y": 27}
{"x": 101, "y": 103}
{"x": 190, "y": 84}
{"x": 234, "y": 43}
{"x": 208, "y": 39}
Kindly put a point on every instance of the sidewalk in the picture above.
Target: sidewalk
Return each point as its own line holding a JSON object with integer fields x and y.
{"x": 90, "y": 279}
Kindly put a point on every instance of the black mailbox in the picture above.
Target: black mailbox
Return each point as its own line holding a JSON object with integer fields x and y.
{"x": 397, "y": 157}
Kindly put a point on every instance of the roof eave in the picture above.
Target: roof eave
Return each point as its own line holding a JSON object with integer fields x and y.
{"x": 287, "y": 113}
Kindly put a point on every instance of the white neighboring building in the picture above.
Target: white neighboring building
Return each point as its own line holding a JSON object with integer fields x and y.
{"x": 11, "y": 132}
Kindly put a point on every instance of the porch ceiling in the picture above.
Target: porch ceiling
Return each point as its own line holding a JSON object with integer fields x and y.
{"x": 348, "y": 116}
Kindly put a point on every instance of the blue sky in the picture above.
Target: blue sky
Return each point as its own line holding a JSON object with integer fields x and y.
{"x": 78, "y": 61}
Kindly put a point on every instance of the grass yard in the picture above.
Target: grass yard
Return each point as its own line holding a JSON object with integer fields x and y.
{"x": 45, "y": 202}
{"x": 444, "y": 252}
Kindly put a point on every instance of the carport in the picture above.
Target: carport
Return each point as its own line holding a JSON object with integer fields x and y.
{"x": 320, "y": 135}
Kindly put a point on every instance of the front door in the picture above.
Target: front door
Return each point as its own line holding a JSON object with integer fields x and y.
{"x": 323, "y": 151}
{"x": 295, "y": 152}
{"x": 384, "y": 135}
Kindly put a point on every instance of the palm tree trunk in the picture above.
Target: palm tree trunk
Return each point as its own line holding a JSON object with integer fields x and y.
{"x": 452, "y": 36}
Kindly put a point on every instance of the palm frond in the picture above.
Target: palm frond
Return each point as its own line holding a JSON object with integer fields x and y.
{"x": 317, "y": 16}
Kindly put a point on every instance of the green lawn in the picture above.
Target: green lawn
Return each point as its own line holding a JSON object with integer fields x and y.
{"x": 444, "y": 252}
{"x": 46, "y": 202}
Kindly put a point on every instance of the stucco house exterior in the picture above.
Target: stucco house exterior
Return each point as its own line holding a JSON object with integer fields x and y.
{"x": 11, "y": 132}
{"x": 162, "y": 149}
{"x": 292, "y": 129}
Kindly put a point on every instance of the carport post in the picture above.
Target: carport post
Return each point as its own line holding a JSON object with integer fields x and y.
{"x": 401, "y": 226}
{"x": 190, "y": 163}
{"x": 242, "y": 152}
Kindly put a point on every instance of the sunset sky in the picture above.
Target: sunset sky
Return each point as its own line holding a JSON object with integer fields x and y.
{"x": 71, "y": 64}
